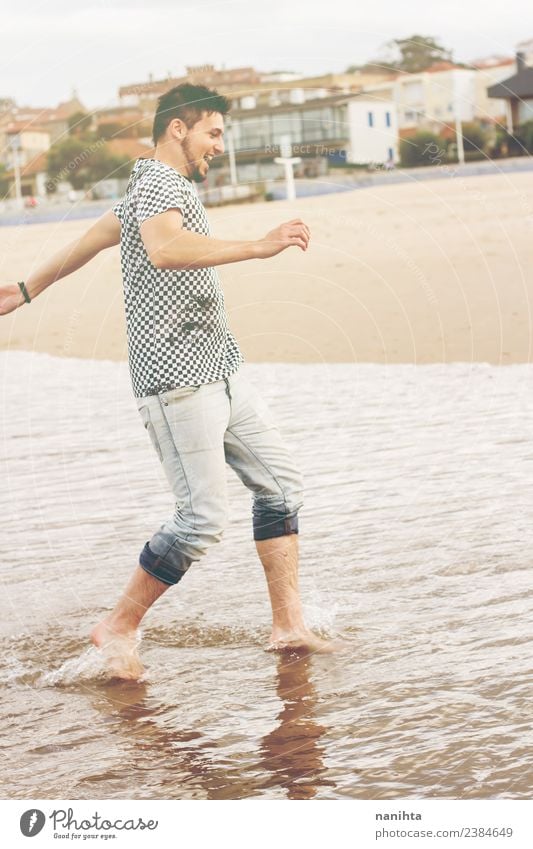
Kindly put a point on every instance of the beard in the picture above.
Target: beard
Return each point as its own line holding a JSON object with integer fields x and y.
{"x": 196, "y": 174}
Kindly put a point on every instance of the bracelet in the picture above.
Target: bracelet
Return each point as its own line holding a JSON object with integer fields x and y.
{"x": 22, "y": 287}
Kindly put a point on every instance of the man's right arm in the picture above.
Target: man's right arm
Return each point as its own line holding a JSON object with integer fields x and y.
{"x": 104, "y": 233}
{"x": 170, "y": 246}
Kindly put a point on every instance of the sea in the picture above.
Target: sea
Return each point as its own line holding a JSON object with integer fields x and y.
{"x": 414, "y": 541}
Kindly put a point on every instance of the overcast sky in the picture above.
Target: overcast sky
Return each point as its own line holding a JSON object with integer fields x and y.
{"x": 94, "y": 46}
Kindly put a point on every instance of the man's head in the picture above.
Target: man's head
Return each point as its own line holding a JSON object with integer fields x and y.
{"x": 190, "y": 118}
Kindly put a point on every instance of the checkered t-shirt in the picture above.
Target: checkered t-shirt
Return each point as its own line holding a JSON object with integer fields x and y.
{"x": 176, "y": 322}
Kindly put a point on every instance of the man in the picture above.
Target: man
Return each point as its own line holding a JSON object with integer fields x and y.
{"x": 198, "y": 409}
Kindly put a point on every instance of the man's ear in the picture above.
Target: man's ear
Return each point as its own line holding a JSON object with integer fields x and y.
{"x": 177, "y": 128}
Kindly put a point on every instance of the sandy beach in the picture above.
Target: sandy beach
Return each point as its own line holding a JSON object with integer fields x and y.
{"x": 438, "y": 271}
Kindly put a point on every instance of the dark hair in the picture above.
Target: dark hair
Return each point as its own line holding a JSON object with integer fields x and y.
{"x": 187, "y": 102}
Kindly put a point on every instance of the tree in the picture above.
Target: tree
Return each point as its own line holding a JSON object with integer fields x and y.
{"x": 411, "y": 55}
{"x": 83, "y": 161}
{"x": 79, "y": 123}
{"x": 525, "y": 135}
{"x": 474, "y": 137}
{"x": 418, "y": 53}
{"x": 4, "y": 182}
{"x": 422, "y": 148}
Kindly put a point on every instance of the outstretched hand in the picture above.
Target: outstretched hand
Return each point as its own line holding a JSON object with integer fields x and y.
{"x": 10, "y": 298}
{"x": 290, "y": 234}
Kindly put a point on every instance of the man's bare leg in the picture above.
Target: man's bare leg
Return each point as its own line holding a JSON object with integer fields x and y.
{"x": 116, "y": 634}
{"x": 279, "y": 557}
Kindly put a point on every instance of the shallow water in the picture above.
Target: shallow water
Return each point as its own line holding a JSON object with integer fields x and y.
{"x": 415, "y": 548}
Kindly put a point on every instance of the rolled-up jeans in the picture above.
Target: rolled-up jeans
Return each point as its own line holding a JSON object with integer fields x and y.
{"x": 196, "y": 431}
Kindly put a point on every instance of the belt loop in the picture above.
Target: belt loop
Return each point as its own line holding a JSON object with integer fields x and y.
{"x": 228, "y": 393}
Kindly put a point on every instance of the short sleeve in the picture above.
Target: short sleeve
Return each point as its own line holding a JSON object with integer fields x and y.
{"x": 118, "y": 209}
{"x": 156, "y": 194}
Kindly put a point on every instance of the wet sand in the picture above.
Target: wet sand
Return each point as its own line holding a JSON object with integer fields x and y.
{"x": 438, "y": 271}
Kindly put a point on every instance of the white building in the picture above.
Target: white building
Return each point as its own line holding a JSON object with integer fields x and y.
{"x": 373, "y": 131}
{"x": 433, "y": 98}
{"x": 338, "y": 129}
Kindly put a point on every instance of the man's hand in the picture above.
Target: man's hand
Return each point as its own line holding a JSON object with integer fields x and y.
{"x": 10, "y": 298}
{"x": 291, "y": 233}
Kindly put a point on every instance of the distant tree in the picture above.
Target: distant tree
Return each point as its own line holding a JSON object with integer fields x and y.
{"x": 7, "y": 104}
{"x": 525, "y": 135}
{"x": 418, "y": 53}
{"x": 422, "y": 148}
{"x": 79, "y": 123}
{"x": 474, "y": 137}
{"x": 4, "y": 182}
{"x": 65, "y": 161}
{"x": 104, "y": 165}
{"x": 83, "y": 162}
{"x": 412, "y": 55}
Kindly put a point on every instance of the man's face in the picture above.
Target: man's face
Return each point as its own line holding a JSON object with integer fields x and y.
{"x": 203, "y": 141}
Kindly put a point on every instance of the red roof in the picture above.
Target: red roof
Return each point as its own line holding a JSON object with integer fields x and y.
{"x": 442, "y": 66}
{"x": 491, "y": 62}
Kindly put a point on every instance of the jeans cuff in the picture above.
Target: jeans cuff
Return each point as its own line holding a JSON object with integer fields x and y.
{"x": 279, "y": 527}
{"x": 158, "y": 568}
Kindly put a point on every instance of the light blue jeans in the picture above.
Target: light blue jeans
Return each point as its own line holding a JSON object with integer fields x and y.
{"x": 195, "y": 431}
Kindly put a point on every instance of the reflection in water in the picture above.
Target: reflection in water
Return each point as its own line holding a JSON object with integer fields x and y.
{"x": 291, "y": 752}
{"x": 183, "y": 759}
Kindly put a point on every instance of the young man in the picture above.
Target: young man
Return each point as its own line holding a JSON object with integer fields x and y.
{"x": 198, "y": 409}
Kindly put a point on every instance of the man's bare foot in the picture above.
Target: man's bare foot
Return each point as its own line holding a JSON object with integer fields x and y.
{"x": 303, "y": 642}
{"x": 119, "y": 650}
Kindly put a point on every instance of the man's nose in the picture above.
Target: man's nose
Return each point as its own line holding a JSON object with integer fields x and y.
{"x": 219, "y": 146}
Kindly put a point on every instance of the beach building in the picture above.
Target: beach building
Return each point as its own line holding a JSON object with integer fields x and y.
{"x": 125, "y": 122}
{"x": 491, "y": 70}
{"x": 432, "y": 99}
{"x": 326, "y": 118}
{"x": 323, "y": 131}
{"x": 35, "y": 129}
{"x": 516, "y": 91}
{"x": 26, "y": 134}
{"x": 143, "y": 96}
{"x": 26, "y": 140}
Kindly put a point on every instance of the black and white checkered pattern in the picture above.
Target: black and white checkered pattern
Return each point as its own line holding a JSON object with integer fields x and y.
{"x": 177, "y": 327}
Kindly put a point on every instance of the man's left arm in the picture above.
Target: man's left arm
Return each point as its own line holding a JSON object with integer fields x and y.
{"x": 103, "y": 234}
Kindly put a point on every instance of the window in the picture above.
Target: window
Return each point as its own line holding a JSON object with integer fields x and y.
{"x": 286, "y": 124}
{"x": 387, "y": 119}
{"x": 251, "y": 132}
{"x": 370, "y": 119}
